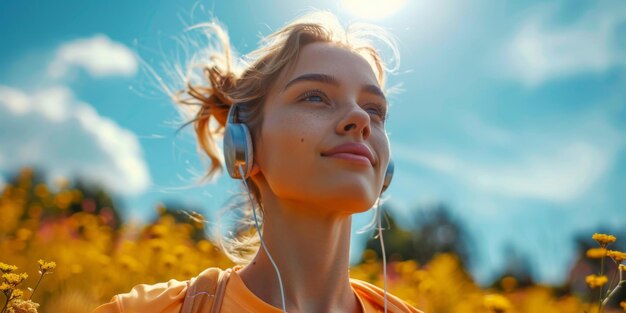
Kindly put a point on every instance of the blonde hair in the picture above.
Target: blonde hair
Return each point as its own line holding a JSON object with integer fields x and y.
{"x": 226, "y": 80}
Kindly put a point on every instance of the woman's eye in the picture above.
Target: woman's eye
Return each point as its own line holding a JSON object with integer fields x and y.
{"x": 377, "y": 110}
{"x": 313, "y": 96}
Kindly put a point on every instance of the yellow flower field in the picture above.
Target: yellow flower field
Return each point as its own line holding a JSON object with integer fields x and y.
{"x": 85, "y": 258}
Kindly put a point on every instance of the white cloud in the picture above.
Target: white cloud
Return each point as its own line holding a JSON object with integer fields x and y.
{"x": 98, "y": 55}
{"x": 552, "y": 166}
{"x": 542, "y": 51}
{"x": 52, "y": 129}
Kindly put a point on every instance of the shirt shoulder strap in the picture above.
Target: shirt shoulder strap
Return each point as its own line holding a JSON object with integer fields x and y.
{"x": 206, "y": 291}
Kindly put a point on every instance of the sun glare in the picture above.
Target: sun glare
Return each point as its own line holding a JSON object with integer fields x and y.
{"x": 372, "y": 9}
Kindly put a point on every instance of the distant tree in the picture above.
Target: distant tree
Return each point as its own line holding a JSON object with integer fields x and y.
{"x": 97, "y": 200}
{"x": 398, "y": 241}
{"x": 433, "y": 231}
{"x": 65, "y": 198}
{"x": 517, "y": 267}
{"x": 437, "y": 231}
{"x": 183, "y": 215}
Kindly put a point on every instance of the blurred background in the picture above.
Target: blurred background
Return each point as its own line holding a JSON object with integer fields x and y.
{"x": 507, "y": 123}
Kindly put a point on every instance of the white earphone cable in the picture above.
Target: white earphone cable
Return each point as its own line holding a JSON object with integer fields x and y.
{"x": 258, "y": 229}
{"x": 382, "y": 247}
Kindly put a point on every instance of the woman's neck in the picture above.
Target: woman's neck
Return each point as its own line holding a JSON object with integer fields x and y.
{"x": 311, "y": 250}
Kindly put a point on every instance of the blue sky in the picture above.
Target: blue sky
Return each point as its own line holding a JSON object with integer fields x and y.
{"x": 513, "y": 114}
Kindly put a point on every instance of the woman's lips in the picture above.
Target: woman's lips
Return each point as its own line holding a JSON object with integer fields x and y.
{"x": 352, "y": 151}
{"x": 351, "y": 157}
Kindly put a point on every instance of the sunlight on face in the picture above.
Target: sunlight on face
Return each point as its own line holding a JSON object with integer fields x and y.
{"x": 372, "y": 9}
{"x": 305, "y": 117}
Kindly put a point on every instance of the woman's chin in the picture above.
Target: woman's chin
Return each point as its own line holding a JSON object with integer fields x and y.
{"x": 352, "y": 203}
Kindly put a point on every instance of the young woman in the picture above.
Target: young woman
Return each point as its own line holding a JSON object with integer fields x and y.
{"x": 305, "y": 128}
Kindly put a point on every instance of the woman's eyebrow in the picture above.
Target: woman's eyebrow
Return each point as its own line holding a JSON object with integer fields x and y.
{"x": 313, "y": 77}
{"x": 327, "y": 79}
{"x": 375, "y": 90}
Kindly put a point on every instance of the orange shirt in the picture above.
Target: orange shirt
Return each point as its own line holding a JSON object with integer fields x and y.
{"x": 168, "y": 298}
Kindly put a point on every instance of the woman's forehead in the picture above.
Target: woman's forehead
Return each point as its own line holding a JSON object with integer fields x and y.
{"x": 331, "y": 60}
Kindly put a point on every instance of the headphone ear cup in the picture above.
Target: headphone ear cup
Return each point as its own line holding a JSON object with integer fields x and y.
{"x": 238, "y": 150}
{"x": 388, "y": 176}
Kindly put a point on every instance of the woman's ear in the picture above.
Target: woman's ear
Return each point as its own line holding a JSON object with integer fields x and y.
{"x": 255, "y": 169}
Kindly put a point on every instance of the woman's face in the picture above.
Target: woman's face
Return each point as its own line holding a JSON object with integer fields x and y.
{"x": 323, "y": 139}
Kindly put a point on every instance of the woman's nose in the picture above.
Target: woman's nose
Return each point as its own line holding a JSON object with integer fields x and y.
{"x": 355, "y": 121}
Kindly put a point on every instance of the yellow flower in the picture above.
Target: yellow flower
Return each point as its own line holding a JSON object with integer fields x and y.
{"x": 128, "y": 263}
{"x": 180, "y": 251}
{"x": 622, "y": 267}
{"x": 46, "y": 267}
{"x": 508, "y": 283}
{"x": 496, "y": 303}
{"x": 168, "y": 260}
{"x": 603, "y": 239}
{"x": 6, "y": 268}
{"x": 596, "y": 253}
{"x": 24, "y": 306}
{"x": 4, "y": 287}
{"x": 157, "y": 245}
{"x": 14, "y": 279}
{"x": 596, "y": 281}
{"x": 205, "y": 246}
{"x": 16, "y": 294}
{"x": 617, "y": 256}
{"x": 623, "y": 305}
{"x": 159, "y": 231}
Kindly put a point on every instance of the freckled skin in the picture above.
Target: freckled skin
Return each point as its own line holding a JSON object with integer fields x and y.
{"x": 308, "y": 199}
